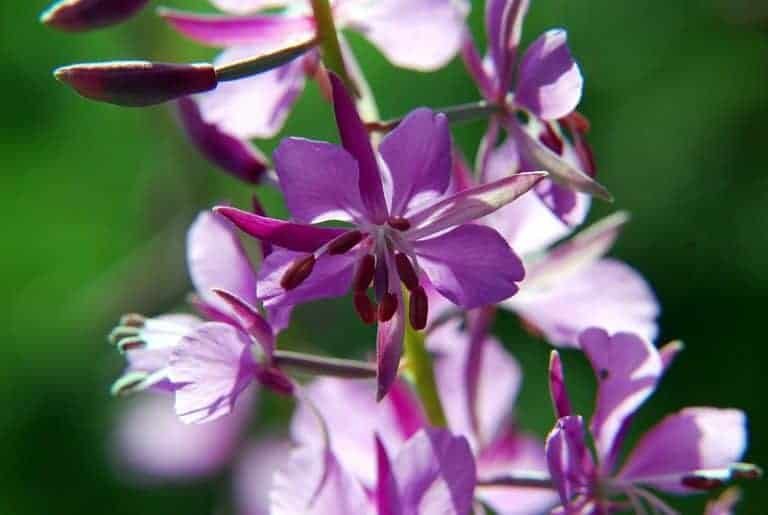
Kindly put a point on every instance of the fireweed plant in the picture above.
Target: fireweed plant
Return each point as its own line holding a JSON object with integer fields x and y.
{"x": 428, "y": 247}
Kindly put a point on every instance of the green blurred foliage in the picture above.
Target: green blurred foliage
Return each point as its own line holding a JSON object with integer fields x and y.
{"x": 96, "y": 201}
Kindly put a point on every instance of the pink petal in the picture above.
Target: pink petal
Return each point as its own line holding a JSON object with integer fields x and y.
{"x": 468, "y": 205}
{"x": 319, "y": 181}
{"x": 251, "y": 6}
{"x": 504, "y": 26}
{"x": 212, "y": 366}
{"x": 417, "y": 34}
{"x": 254, "y": 474}
{"x": 255, "y": 107}
{"x": 607, "y": 294}
{"x": 509, "y": 452}
{"x": 261, "y": 33}
{"x": 216, "y": 259}
{"x": 692, "y": 439}
{"x": 389, "y": 338}
{"x": 549, "y": 82}
{"x": 288, "y": 235}
{"x": 387, "y": 495}
{"x": 436, "y": 473}
{"x": 568, "y": 458}
{"x": 153, "y": 444}
{"x": 418, "y": 155}
{"x": 628, "y": 369}
{"x": 471, "y": 265}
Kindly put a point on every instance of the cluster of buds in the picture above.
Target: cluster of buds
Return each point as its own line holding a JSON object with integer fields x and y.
{"x": 429, "y": 248}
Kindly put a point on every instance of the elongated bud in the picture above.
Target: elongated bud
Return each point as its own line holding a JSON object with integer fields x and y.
{"x": 83, "y": 15}
{"x": 233, "y": 155}
{"x": 345, "y": 242}
{"x": 406, "y": 272}
{"x": 137, "y": 83}
{"x": 419, "y": 308}
{"x": 298, "y": 272}
{"x": 387, "y": 307}
{"x": 365, "y": 308}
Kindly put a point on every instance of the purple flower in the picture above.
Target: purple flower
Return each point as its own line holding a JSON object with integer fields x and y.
{"x": 418, "y": 34}
{"x": 477, "y": 384}
{"x": 691, "y": 450}
{"x": 432, "y": 472}
{"x": 404, "y": 228}
{"x": 207, "y": 365}
{"x": 153, "y": 445}
{"x": 547, "y": 89}
{"x": 570, "y": 286}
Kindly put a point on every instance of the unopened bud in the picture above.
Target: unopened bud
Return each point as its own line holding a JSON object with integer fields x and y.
{"x": 137, "y": 83}
{"x": 82, "y": 15}
{"x": 233, "y": 155}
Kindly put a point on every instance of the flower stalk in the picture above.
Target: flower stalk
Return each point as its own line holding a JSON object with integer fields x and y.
{"x": 329, "y": 41}
{"x": 421, "y": 371}
{"x": 519, "y": 479}
{"x": 320, "y": 365}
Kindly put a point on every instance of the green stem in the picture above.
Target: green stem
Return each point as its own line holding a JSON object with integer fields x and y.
{"x": 329, "y": 41}
{"x": 423, "y": 375}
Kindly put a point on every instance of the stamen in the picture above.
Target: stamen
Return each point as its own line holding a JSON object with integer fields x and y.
{"x": 387, "y": 307}
{"x": 406, "y": 272}
{"x": 364, "y": 273}
{"x": 344, "y": 242}
{"x": 381, "y": 278}
{"x": 133, "y": 320}
{"x": 298, "y": 272}
{"x": 366, "y": 310}
{"x": 120, "y": 332}
{"x": 551, "y": 140}
{"x": 419, "y": 309}
{"x": 400, "y": 223}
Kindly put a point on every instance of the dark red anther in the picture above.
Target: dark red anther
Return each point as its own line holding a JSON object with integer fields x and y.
{"x": 406, "y": 272}
{"x": 702, "y": 483}
{"x": 133, "y": 320}
{"x": 419, "y": 309}
{"x": 364, "y": 273}
{"x": 576, "y": 122}
{"x": 127, "y": 344}
{"x": 344, "y": 242}
{"x": 400, "y": 223}
{"x": 298, "y": 272}
{"x": 550, "y": 139}
{"x": 387, "y": 307}
{"x": 366, "y": 309}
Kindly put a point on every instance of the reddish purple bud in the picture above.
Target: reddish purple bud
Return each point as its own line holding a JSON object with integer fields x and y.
{"x": 233, "y": 155}
{"x": 298, "y": 272}
{"x": 400, "y": 223}
{"x": 406, "y": 272}
{"x": 364, "y": 273}
{"x": 137, "y": 83}
{"x": 419, "y": 309}
{"x": 366, "y": 310}
{"x": 82, "y": 15}
{"x": 702, "y": 483}
{"x": 345, "y": 242}
{"x": 387, "y": 307}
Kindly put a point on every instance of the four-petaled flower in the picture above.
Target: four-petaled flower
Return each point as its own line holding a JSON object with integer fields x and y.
{"x": 404, "y": 228}
{"x": 692, "y": 450}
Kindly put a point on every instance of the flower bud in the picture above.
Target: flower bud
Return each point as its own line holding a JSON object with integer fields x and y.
{"x": 233, "y": 155}
{"x": 137, "y": 83}
{"x": 82, "y": 15}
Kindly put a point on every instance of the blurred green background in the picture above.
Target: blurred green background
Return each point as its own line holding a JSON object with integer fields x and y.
{"x": 96, "y": 200}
